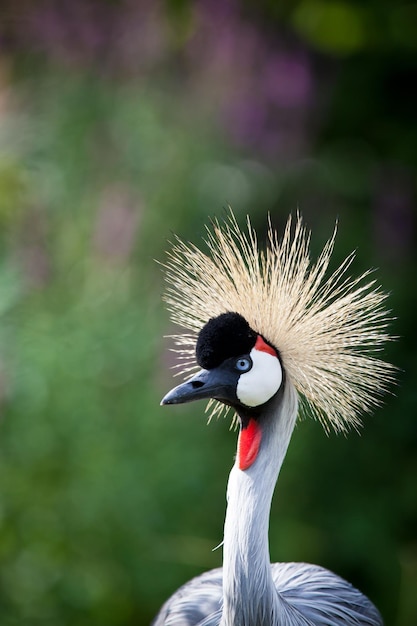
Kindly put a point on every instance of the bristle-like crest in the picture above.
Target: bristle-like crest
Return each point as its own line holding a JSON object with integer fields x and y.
{"x": 328, "y": 331}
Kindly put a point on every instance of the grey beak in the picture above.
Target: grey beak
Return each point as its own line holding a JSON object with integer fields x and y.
{"x": 216, "y": 383}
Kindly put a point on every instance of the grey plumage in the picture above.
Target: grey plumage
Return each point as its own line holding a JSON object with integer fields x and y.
{"x": 199, "y": 601}
{"x": 311, "y": 596}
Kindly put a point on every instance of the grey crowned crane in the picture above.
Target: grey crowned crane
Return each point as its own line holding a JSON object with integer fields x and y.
{"x": 269, "y": 330}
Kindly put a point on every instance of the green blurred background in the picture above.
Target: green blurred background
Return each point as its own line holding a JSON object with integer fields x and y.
{"x": 120, "y": 123}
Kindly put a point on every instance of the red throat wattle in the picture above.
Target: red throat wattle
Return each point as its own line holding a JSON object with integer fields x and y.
{"x": 248, "y": 445}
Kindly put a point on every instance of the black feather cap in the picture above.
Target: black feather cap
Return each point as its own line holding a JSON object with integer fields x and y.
{"x": 224, "y": 336}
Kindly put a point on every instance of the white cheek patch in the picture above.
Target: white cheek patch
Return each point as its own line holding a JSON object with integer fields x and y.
{"x": 262, "y": 381}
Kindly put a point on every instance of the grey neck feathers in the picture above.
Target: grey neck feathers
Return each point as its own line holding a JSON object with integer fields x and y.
{"x": 249, "y": 594}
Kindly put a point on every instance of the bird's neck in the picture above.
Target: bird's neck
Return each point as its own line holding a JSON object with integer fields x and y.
{"x": 249, "y": 594}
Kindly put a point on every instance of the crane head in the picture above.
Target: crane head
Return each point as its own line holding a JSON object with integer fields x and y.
{"x": 240, "y": 368}
{"x": 275, "y": 310}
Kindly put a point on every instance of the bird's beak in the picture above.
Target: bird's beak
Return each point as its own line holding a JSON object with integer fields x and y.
{"x": 213, "y": 383}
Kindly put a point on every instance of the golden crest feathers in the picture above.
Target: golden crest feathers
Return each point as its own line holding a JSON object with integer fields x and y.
{"x": 326, "y": 329}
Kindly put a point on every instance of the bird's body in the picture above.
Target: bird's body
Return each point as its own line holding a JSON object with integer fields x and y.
{"x": 245, "y": 369}
{"x": 310, "y": 596}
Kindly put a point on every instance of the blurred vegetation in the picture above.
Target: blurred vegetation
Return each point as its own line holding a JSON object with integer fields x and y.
{"x": 120, "y": 123}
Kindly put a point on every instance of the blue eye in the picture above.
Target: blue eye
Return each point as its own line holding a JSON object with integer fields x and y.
{"x": 243, "y": 364}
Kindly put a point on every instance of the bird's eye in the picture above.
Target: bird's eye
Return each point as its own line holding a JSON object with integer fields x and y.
{"x": 243, "y": 364}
